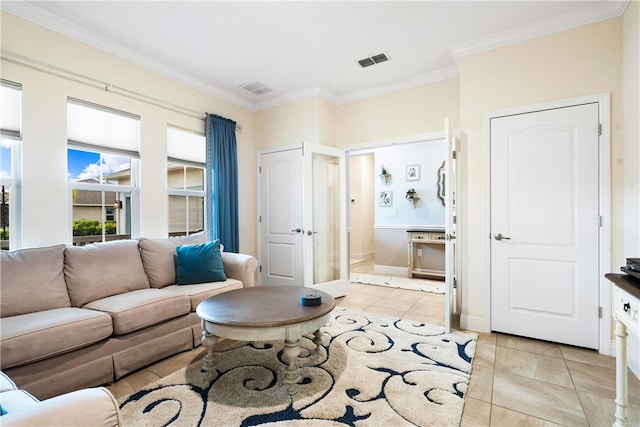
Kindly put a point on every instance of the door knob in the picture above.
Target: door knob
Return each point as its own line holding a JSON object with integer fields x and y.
{"x": 499, "y": 236}
{"x": 311, "y": 233}
{"x": 296, "y": 231}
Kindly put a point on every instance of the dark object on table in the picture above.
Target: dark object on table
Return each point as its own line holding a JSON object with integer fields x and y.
{"x": 632, "y": 268}
{"x": 310, "y": 300}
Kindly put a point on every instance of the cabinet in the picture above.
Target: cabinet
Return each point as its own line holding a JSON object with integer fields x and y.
{"x": 626, "y": 305}
{"x": 432, "y": 261}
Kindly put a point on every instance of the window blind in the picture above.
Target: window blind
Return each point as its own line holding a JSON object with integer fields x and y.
{"x": 185, "y": 147}
{"x": 11, "y": 96}
{"x": 93, "y": 126}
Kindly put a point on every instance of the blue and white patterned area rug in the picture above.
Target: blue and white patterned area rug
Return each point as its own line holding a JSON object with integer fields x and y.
{"x": 371, "y": 370}
{"x": 424, "y": 285}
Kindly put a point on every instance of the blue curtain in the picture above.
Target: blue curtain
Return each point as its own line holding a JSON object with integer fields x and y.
{"x": 222, "y": 177}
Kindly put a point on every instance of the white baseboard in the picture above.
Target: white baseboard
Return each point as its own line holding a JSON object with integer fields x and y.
{"x": 364, "y": 255}
{"x": 390, "y": 269}
{"x": 472, "y": 323}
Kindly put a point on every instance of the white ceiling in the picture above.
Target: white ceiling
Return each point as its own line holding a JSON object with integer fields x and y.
{"x": 307, "y": 48}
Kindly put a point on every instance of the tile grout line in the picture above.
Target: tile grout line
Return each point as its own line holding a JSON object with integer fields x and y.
{"x": 493, "y": 379}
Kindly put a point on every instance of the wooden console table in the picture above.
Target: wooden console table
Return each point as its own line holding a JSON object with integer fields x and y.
{"x": 423, "y": 237}
{"x": 626, "y": 304}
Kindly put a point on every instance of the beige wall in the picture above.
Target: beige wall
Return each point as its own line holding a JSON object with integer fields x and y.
{"x": 361, "y": 206}
{"x": 404, "y": 113}
{"x": 309, "y": 120}
{"x": 631, "y": 95}
{"x": 399, "y": 114}
{"x": 44, "y": 175}
{"x": 326, "y": 122}
{"x": 582, "y": 61}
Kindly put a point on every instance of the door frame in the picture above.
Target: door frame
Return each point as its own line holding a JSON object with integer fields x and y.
{"x": 604, "y": 200}
{"x": 459, "y": 136}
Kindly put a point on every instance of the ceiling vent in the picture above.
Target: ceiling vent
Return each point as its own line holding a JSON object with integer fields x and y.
{"x": 372, "y": 60}
{"x": 256, "y": 88}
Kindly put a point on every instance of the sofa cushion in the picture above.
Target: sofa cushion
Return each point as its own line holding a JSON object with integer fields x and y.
{"x": 34, "y": 336}
{"x": 158, "y": 257}
{"x": 16, "y": 401}
{"x": 32, "y": 280}
{"x": 201, "y": 291}
{"x": 201, "y": 263}
{"x": 101, "y": 270}
{"x": 138, "y": 309}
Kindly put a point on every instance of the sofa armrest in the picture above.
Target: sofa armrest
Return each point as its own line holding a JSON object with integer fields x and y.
{"x": 6, "y": 383}
{"x": 87, "y": 407}
{"x": 240, "y": 267}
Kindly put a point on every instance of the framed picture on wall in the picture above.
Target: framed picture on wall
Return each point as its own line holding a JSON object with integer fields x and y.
{"x": 385, "y": 198}
{"x": 413, "y": 172}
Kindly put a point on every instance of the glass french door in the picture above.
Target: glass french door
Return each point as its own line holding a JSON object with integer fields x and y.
{"x": 325, "y": 219}
{"x": 450, "y": 245}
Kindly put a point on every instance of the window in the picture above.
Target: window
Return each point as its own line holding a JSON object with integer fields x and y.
{"x": 10, "y": 137}
{"x": 102, "y": 168}
{"x": 185, "y": 178}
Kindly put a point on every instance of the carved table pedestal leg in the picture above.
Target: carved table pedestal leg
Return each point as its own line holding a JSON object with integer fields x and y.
{"x": 208, "y": 361}
{"x": 292, "y": 372}
{"x": 317, "y": 340}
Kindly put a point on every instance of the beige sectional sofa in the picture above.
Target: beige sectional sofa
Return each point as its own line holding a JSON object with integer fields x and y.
{"x": 76, "y": 317}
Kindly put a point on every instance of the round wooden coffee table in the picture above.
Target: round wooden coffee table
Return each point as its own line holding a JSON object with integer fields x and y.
{"x": 263, "y": 313}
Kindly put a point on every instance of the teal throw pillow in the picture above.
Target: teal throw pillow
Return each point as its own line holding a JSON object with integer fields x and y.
{"x": 201, "y": 263}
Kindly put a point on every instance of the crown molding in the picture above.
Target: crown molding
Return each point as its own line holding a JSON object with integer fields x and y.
{"x": 297, "y": 95}
{"x": 48, "y": 20}
{"x": 588, "y": 15}
{"x": 423, "y": 79}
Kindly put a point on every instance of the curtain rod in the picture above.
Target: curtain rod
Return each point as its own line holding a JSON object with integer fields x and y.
{"x": 99, "y": 84}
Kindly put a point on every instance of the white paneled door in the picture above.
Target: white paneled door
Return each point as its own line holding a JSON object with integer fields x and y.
{"x": 281, "y": 238}
{"x": 545, "y": 225}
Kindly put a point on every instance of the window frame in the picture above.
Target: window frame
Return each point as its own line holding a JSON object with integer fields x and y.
{"x": 15, "y": 180}
{"x": 132, "y": 189}
{"x": 184, "y": 191}
{"x": 110, "y": 188}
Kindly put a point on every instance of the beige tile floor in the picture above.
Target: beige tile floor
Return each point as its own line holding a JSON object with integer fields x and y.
{"x": 514, "y": 381}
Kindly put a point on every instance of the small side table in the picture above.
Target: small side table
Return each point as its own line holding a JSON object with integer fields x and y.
{"x": 434, "y": 242}
{"x": 626, "y": 305}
